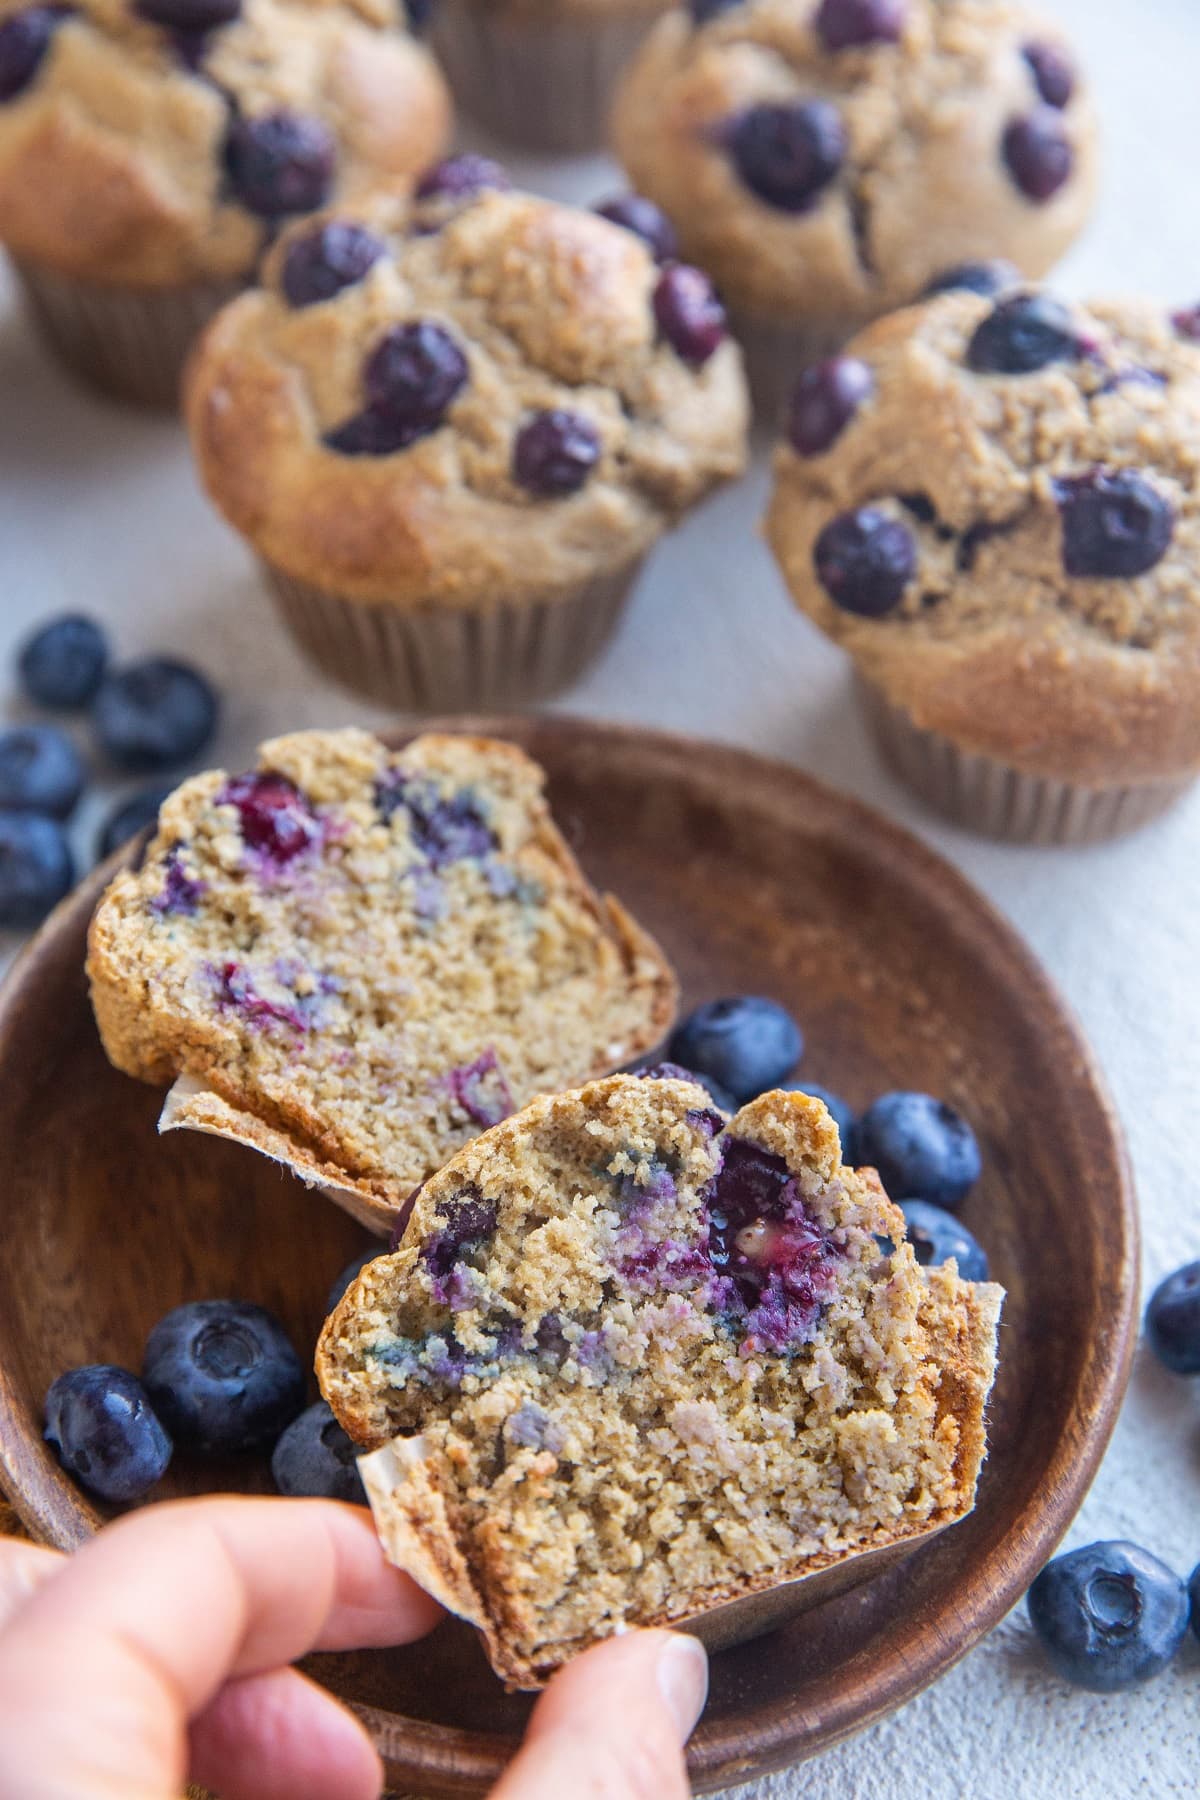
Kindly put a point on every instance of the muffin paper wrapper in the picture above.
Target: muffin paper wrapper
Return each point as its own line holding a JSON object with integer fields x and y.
{"x": 987, "y": 796}
{"x": 542, "y": 81}
{"x": 441, "y": 659}
{"x": 129, "y": 343}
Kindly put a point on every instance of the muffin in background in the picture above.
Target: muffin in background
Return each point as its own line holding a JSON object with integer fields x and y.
{"x": 150, "y": 150}
{"x": 826, "y": 160}
{"x": 994, "y": 506}
{"x": 452, "y": 425}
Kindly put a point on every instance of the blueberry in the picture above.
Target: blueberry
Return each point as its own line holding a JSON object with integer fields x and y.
{"x": 189, "y": 15}
{"x": 1173, "y": 1320}
{"x": 418, "y": 13}
{"x": 688, "y": 313}
{"x": 279, "y": 163}
{"x": 460, "y": 177}
{"x": 323, "y": 261}
{"x": 864, "y": 560}
{"x": 655, "y": 1069}
{"x": 36, "y": 868}
{"x": 647, "y": 221}
{"x": 843, "y": 24}
{"x": 936, "y": 1236}
{"x": 839, "y": 1110}
{"x": 1194, "y": 1599}
{"x": 704, "y": 10}
{"x": 24, "y": 40}
{"x": 40, "y": 771}
{"x": 1187, "y": 323}
{"x": 554, "y": 453}
{"x": 61, "y": 665}
{"x": 315, "y": 1457}
{"x": 100, "y": 1421}
{"x": 274, "y": 817}
{"x": 154, "y": 714}
{"x": 986, "y": 278}
{"x": 411, "y": 378}
{"x": 824, "y": 400}
{"x": 787, "y": 154}
{"x": 128, "y": 818}
{"x": 1038, "y": 154}
{"x": 350, "y": 1273}
{"x": 746, "y": 1043}
{"x": 1022, "y": 334}
{"x": 1114, "y": 523}
{"x": 223, "y": 1375}
{"x": 1109, "y": 1615}
{"x": 1053, "y": 73}
{"x": 920, "y": 1146}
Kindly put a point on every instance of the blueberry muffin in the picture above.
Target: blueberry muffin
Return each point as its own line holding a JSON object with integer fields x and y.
{"x": 994, "y": 506}
{"x": 643, "y": 1364}
{"x": 826, "y": 160}
{"x": 353, "y": 958}
{"x": 452, "y": 425}
{"x": 149, "y": 149}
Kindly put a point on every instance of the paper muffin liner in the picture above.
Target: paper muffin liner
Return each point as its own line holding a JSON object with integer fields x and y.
{"x": 776, "y": 355}
{"x": 130, "y": 343}
{"x": 443, "y": 659}
{"x": 987, "y": 796}
{"x": 541, "y": 80}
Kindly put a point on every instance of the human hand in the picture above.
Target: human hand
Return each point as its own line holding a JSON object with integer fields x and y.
{"x": 159, "y": 1653}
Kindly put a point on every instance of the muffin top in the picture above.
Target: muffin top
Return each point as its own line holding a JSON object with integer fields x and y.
{"x": 993, "y": 504}
{"x": 824, "y": 160}
{"x": 464, "y": 396}
{"x": 150, "y": 143}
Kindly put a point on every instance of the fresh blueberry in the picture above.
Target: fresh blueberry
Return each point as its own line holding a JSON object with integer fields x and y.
{"x": 655, "y": 1069}
{"x": 36, "y": 868}
{"x": 554, "y": 453}
{"x": 1194, "y": 1599}
{"x": 1173, "y": 1320}
{"x": 460, "y": 177}
{"x": 154, "y": 714}
{"x": 824, "y": 400}
{"x": 100, "y": 1421}
{"x": 920, "y": 1146}
{"x": 688, "y": 313}
{"x": 280, "y": 163}
{"x": 61, "y": 665}
{"x": 1038, "y": 154}
{"x": 704, "y": 10}
{"x": 330, "y": 257}
{"x": 1114, "y": 523}
{"x": 315, "y": 1457}
{"x": 843, "y": 24}
{"x": 40, "y": 771}
{"x": 1109, "y": 1615}
{"x": 839, "y": 1110}
{"x": 128, "y": 818}
{"x": 647, "y": 221}
{"x": 1022, "y": 334}
{"x": 24, "y": 40}
{"x": 189, "y": 15}
{"x": 746, "y": 1043}
{"x": 223, "y": 1375}
{"x": 864, "y": 560}
{"x": 1053, "y": 73}
{"x": 350, "y": 1273}
{"x": 986, "y": 278}
{"x": 936, "y": 1236}
{"x": 788, "y": 153}
{"x": 274, "y": 817}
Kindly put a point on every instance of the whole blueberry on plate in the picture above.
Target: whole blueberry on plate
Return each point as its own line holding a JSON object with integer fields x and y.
{"x": 100, "y": 1421}
{"x": 839, "y": 1110}
{"x": 40, "y": 771}
{"x": 1173, "y": 1320}
{"x": 1194, "y": 1599}
{"x": 223, "y": 1375}
{"x": 350, "y": 1273}
{"x": 746, "y": 1043}
{"x": 61, "y": 665}
{"x": 316, "y": 1458}
{"x": 936, "y": 1236}
{"x": 36, "y": 868}
{"x": 129, "y": 817}
{"x": 154, "y": 714}
{"x": 1109, "y": 1615}
{"x": 921, "y": 1147}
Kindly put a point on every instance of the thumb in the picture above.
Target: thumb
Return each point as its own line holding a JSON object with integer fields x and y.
{"x": 613, "y": 1723}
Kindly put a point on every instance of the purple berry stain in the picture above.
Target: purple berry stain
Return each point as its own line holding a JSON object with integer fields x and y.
{"x": 442, "y": 830}
{"x": 778, "y": 1261}
{"x": 469, "y": 1224}
{"x": 275, "y": 818}
{"x": 180, "y": 893}
{"x": 480, "y": 1089}
{"x": 236, "y": 988}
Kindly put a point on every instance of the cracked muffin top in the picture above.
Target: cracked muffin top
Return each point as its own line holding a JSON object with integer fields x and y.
{"x": 152, "y": 143}
{"x": 467, "y": 395}
{"x": 825, "y": 160}
{"x": 994, "y": 506}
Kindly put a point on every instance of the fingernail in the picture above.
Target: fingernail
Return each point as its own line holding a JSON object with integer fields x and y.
{"x": 683, "y": 1681}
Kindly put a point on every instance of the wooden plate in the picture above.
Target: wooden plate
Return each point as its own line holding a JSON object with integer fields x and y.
{"x": 756, "y": 879}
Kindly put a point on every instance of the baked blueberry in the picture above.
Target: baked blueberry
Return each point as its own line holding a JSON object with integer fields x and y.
{"x": 864, "y": 560}
{"x": 986, "y": 278}
{"x": 223, "y": 1375}
{"x": 788, "y": 153}
{"x": 330, "y": 257}
{"x": 824, "y": 400}
{"x": 746, "y": 1043}
{"x": 1187, "y": 323}
{"x": 100, "y": 1422}
{"x": 843, "y": 24}
{"x": 411, "y": 378}
{"x": 189, "y": 15}
{"x": 279, "y": 163}
{"x": 1021, "y": 334}
{"x": 1109, "y": 1615}
{"x": 937, "y": 1235}
{"x": 350, "y": 1273}
{"x": 370, "y": 432}
{"x": 24, "y": 40}
{"x": 688, "y": 313}
{"x": 921, "y": 1147}
{"x": 274, "y": 817}
{"x": 1173, "y": 1320}
{"x": 1038, "y": 154}
{"x": 315, "y": 1457}
{"x": 40, "y": 771}
{"x": 458, "y": 177}
{"x": 1114, "y": 523}
{"x": 645, "y": 220}
{"x": 129, "y": 817}
{"x": 154, "y": 714}
{"x": 62, "y": 664}
{"x": 1053, "y": 73}
{"x": 554, "y": 453}
{"x": 839, "y": 1110}
{"x": 36, "y": 868}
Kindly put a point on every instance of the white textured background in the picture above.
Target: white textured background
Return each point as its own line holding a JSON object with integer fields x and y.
{"x": 99, "y": 510}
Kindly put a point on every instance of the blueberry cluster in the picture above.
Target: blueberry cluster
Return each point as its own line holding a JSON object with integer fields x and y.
{"x": 147, "y": 716}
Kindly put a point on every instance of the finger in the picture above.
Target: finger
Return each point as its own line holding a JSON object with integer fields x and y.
{"x": 23, "y": 1568}
{"x": 281, "y": 1737}
{"x": 613, "y": 1723}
